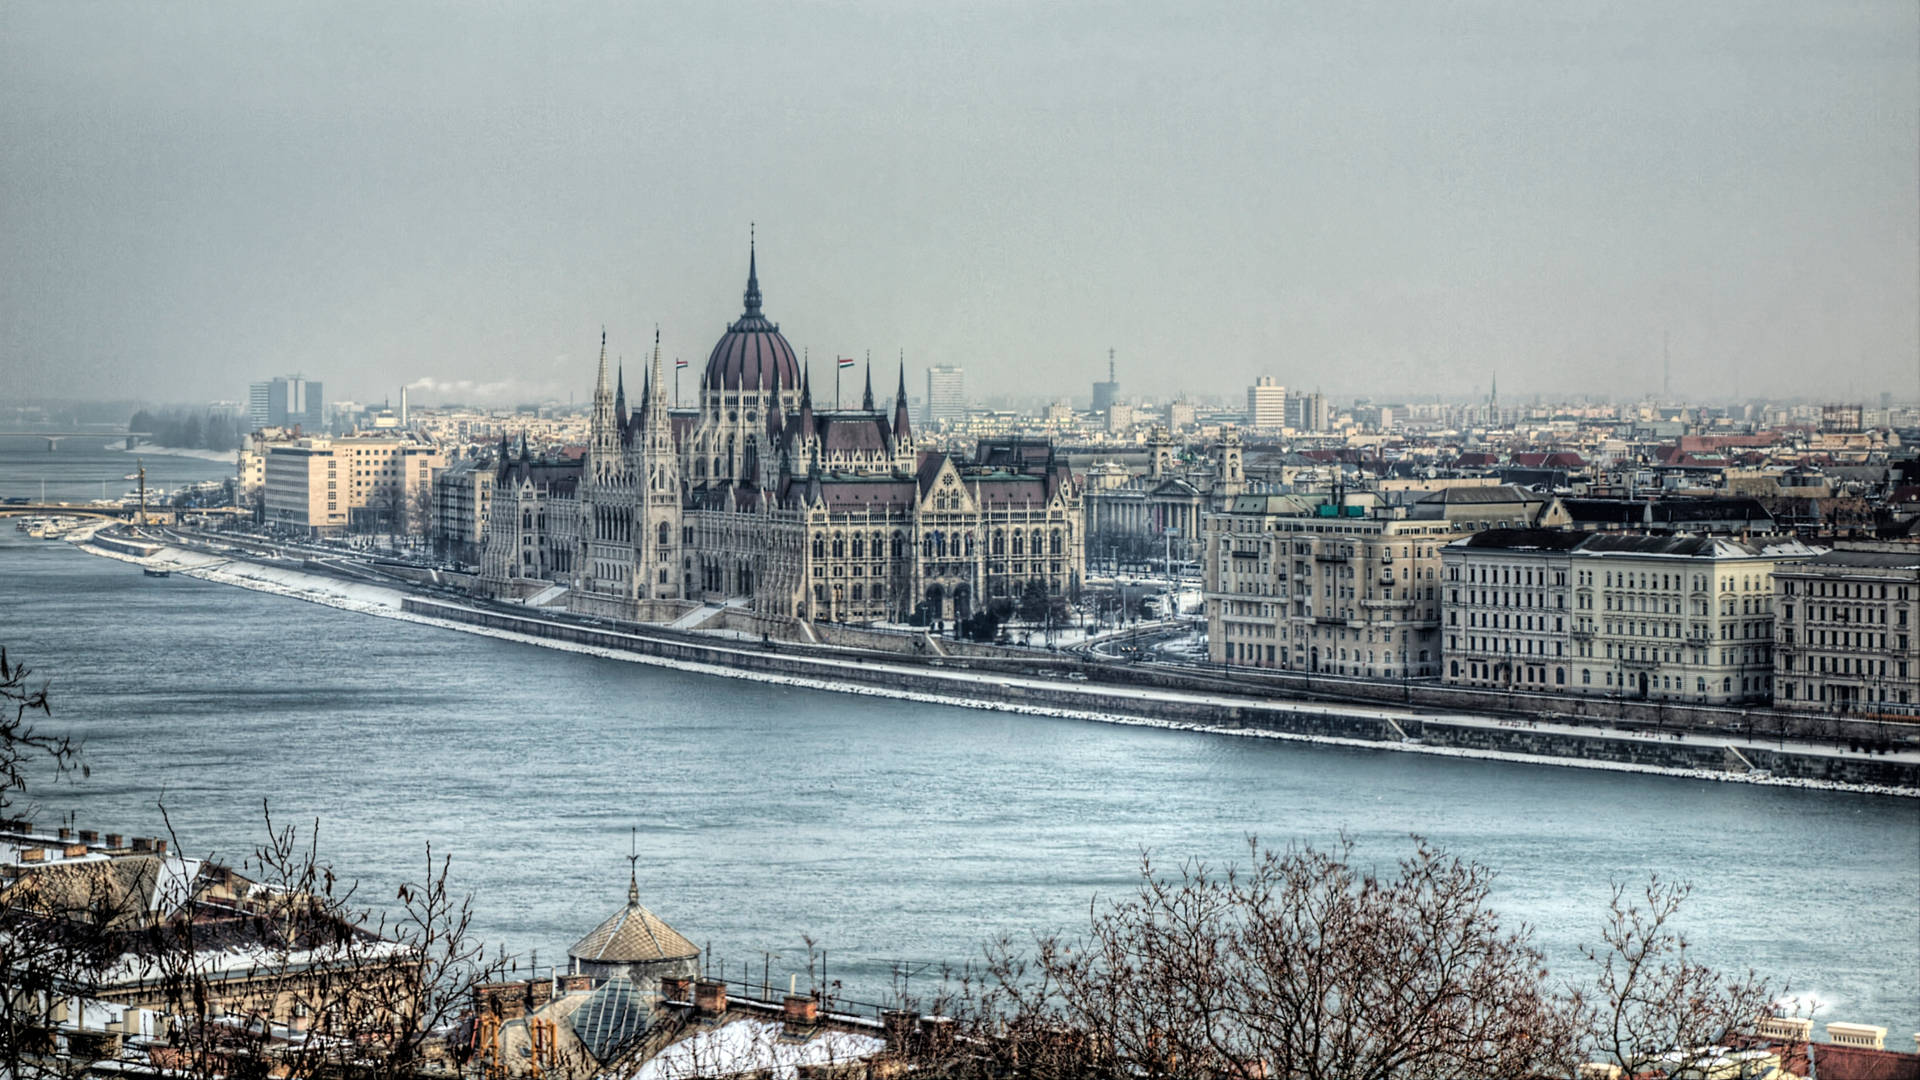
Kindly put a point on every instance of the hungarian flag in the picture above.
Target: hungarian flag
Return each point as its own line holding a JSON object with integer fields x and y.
{"x": 678, "y": 363}
{"x": 846, "y": 362}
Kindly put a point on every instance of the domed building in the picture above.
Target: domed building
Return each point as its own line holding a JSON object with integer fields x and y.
{"x": 634, "y": 944}
{"x": 758, "y": 498}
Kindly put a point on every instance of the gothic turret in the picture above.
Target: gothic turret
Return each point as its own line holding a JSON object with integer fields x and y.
{"x": 866, "y": 396}
{"x": 902, "y": 429}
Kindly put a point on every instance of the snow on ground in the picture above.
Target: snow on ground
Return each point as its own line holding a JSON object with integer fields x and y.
{"x": 225, "y": 457}
{"x": 387, "y": 603}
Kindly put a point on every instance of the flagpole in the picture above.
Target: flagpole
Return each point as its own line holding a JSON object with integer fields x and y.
{"x": 836, "y": 383}
{"x": 676, "y": 382}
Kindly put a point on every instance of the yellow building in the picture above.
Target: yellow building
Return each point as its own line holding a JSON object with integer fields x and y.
{"x": 325, "y": 487}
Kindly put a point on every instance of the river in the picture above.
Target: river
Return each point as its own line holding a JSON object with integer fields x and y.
{"x": 883, "y": 829}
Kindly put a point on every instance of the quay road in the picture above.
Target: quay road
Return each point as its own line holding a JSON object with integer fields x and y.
{"x": 953, "y": 681}
{"x": 1177, "y": 694}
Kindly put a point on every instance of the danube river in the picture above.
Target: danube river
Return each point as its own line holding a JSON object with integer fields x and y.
{"x": 883, "y": 829}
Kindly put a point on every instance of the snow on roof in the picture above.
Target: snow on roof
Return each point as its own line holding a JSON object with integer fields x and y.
{"x": 755, "y": 1046}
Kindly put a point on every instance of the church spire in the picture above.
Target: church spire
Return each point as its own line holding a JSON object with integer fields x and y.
{"x": 620, "y": 395}
{"x": 753, "y": 276}
{"x": 866, "y": 397}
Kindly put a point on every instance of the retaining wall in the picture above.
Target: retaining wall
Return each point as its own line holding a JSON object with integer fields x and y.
{"x": 1625, "y": 746}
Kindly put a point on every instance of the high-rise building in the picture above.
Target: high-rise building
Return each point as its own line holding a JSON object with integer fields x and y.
{"x": 286, "y": 401}
{"x": 1308, "y": 412}
{"x": 1266, "y": 403}
{"x": 1106, "y": 393}
{"x": 946, "y": 394}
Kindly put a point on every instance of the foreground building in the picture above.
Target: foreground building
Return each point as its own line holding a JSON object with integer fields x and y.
{"x": 1679, "y": 618}
{"x": 1847, "y": 631}
{"x": 790, "y": 511}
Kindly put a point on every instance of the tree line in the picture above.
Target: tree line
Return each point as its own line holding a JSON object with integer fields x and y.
{"x": 188, "y": 430}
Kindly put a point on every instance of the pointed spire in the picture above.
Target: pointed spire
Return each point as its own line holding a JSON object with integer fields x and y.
{"x": 753, "y": 275}
{"x": 633, "y": 869}
{"x": 600, "y": 384}
{"x": 620, "y": 395}
{"x": 806, "y": 403}
{"x": 902, "y": 428}
{"x": 866, "y": 396}
{"x": 526, "y": 456}
{"x": 776, "y": 412}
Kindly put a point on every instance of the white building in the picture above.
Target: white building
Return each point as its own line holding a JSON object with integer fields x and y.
{"x": 1847, "y": 631}
{"x": 946, "y": 394}
{"x": 1679, "y": 618}
{"x": 1266, "y": 404}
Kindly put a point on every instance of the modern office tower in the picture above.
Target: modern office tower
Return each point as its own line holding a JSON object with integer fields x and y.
{"x": 1266, "y": 403}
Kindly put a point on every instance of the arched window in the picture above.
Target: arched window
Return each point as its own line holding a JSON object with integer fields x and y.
{"x": 899, "y": 543}
{"x": 1056, "y": 541}
{"x": 819, "y": 547}
{"x": 999, "y": 542}
{"x": 859, "y": 551}
{"x": 839, "y": 546}
{"x": 663, "y": 534}
{"x": 1019, "y": 543}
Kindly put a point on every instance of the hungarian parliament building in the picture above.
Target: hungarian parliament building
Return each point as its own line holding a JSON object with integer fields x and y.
{"x": 760, "y": 500}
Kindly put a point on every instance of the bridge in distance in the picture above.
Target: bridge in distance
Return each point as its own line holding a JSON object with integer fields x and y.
{"x": 53, "y": 437}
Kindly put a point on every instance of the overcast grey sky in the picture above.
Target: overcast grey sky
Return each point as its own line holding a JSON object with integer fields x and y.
{"x": 1391, "y": 198}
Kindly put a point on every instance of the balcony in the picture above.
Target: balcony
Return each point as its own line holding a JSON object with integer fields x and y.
{"x": 1333, "y": 555}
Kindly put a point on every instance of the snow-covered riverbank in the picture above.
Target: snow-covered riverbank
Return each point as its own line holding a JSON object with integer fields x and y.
{"x": 388, "y": 603}
{"x": 225, "y": 457}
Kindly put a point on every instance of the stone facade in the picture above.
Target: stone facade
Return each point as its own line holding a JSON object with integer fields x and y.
{"x": 1667, "y": 618}
{"x": 756, "y": 498}
{"x": 1847, "y": 631}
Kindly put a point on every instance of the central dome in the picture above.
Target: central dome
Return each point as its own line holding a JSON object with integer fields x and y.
{"x": 752, "y": 353}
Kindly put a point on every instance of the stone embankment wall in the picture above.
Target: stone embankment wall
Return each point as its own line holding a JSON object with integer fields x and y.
{"x": 1244, "y": 712}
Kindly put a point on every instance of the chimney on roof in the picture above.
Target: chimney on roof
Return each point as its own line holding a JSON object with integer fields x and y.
{"x": 66, "y": 833}
{"x": 710, "y": 997}
{"x": 115, "y": 840}
{"x": 142, "y": 844}
{"x": 801, "y": 1009}
{"x": 159, "y": 845}
{"x": 90, "y": 836}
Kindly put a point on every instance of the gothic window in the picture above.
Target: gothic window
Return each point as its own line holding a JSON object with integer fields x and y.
{"x": 859, "y": 547}
{"x": 663, "y": 533}
{"x": 899, "y": 544}
{"x": 969, "y": 545}
{"x": 1019, "y": 543}
{"x": 1056, "y": 541}
{"x": 819, "y": 547}
{"x": 999, "y": 542}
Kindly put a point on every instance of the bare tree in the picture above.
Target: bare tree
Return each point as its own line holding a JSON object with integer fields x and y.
{"x": 1656, "y": 1010}
{"x": 1302, "y": 964}
{"x": 21, "y": 741}
{"x": 285, "y": 973}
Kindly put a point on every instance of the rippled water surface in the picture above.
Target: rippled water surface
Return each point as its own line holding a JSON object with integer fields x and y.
{"x": 884, "y": 829}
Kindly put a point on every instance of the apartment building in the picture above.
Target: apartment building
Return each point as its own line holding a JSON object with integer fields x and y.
{"x": 1343, "y": 585}
{"x": 324, "y": 487}
{"x": 1847, "y": 631}
{"x": 1681, "y": 618}
{"x": 462, "y": 496}
{"x": 1266, "y": 404}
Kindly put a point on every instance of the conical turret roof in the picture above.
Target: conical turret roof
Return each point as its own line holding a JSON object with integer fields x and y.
{"x": 633, "y": 935}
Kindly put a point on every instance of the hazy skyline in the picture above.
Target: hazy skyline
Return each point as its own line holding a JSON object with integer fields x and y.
{"x": 1386, "y": 199}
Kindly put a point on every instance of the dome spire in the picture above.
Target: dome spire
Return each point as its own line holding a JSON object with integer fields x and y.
{"x": 633, "y": 867}
{"x": 753, "y": 274}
